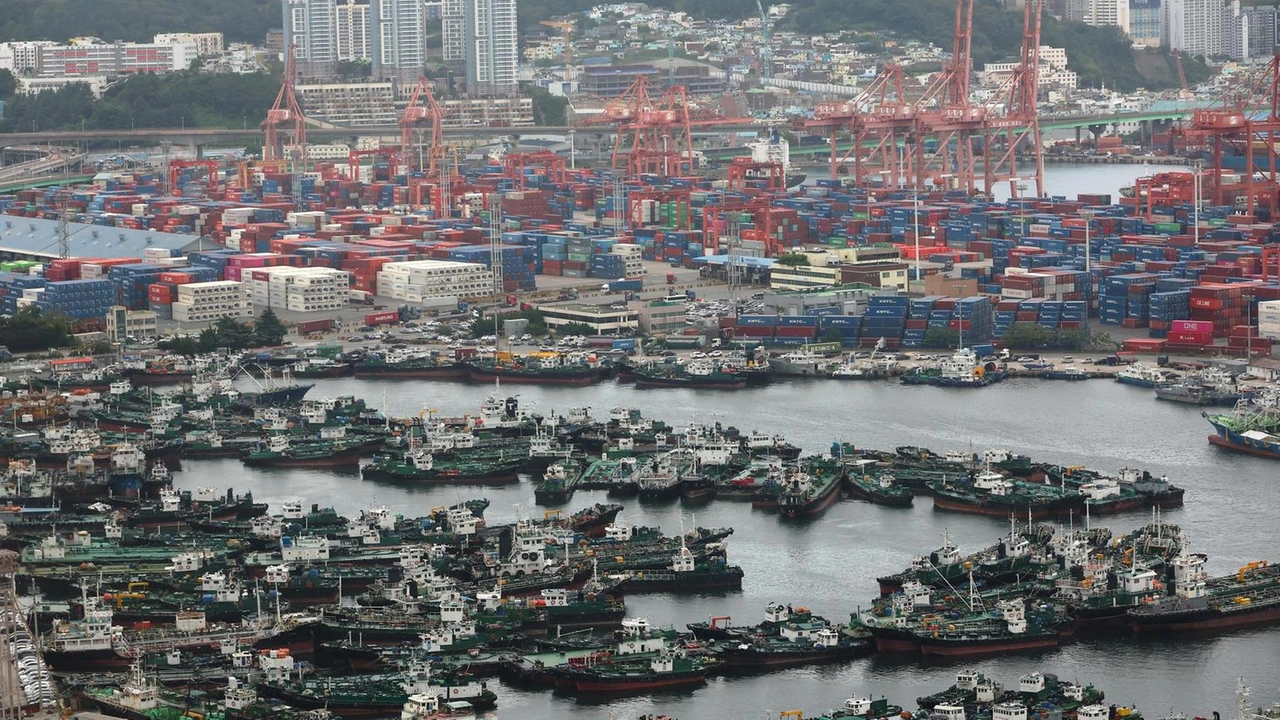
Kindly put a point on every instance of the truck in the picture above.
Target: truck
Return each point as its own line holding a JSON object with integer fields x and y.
{"x": 671, "y": 278}
{"x": 623, "y": 285}
{"x": 381, "y": 318}
{"x": 307, "y": 327}
{"x": 360, "y": 297}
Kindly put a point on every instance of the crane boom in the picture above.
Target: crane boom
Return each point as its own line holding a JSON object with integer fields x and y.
{"x": 766, "y": 44}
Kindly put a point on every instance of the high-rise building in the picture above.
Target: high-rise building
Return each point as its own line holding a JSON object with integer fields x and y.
{"x": 480, "y": 40}
{"x": 352, "y": 25}
{"x": 1144, "y": 22}
{"x": 399, "y": 48}
{"x": 1253, "y": 33}
{"x": 22, "y": 57}
{"x": 310, "y": 26}
{"x": 1197, "y": 27}
{"x": 1099, "y": 13}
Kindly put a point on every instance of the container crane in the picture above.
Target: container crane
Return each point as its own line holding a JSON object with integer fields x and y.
{"x": 423, "y": 115}
{"x": 285, "y": 116}
{"x": 1019, "y": 125}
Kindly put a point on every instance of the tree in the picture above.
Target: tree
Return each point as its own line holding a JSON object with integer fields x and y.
{"x": 208, "y": 340}
{"x": 575, "y": 329}
{"x": 233, "y": 334}
{"x": 180, "y": 345}
{"x": 29, "y": 329}
{"x": 793, "y": 260}
{"x": 268, "y": 330}
{"x": 351, "y": 69}
{"x": 940, "y": 337}
{"x": 8, "y": 85}
{"x": 484, "y": 326}
{"x": 549, "y": 109}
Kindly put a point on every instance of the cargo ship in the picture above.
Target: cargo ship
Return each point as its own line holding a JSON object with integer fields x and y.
{"x": 880, "y": 490}
{"x": 556, "y": 486}
{"x": 697, "y": 373}
{"x": 380, "y": 695}
{"x": 1009, "y": 628}
{"x": 791, "y": 639}
{"x": 281, "y": 453}
{"x": 410, "y": 365}
{"x": 1253, "y": 428}
{"x": 1250, "y": 596}
{"x": 601, "y": 674}
{"x": 807, "y": 494}
{"x": 550, "y": 368}
{"x": 686, "y": 575}
{"x": 418, "y": 465}
{"x": 990, "y": 493}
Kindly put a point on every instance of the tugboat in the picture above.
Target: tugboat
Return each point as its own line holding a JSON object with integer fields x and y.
{"x": 1210, "y": 386}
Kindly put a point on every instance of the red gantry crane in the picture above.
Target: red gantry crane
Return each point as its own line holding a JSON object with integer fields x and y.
{"x": 285, "y": 117}
{"x": 423, "y": 118}
{"x": 948, "y": 118}
{"x": 881, "y": 122}
{"x": 1247, "y": 125}
{"x": 1017, "y": 127}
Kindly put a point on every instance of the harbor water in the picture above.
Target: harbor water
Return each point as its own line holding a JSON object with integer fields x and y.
{"x": 1069, "y": 180}
{"x": 830, "y": 563}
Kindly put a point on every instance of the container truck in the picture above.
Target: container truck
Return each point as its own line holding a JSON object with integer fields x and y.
{"x": 306, "y": 327}
{"x": 624, "y": 285}
{"x": 381, "y": 318}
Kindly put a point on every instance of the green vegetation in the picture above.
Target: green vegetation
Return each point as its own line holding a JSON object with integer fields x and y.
{"x": 793, "y": 260}
{"x": 29, "y": 329}
{"x": 230, "y": 334}
{"x": 1098, "y": 55}
{"x": 489, "y": 325}
{"x": 136, "y": 20}
{"x": 549, "y": 109}
{"x": 574, "y": 329}
{"x": 8, "y": 84}
{"x": 190, "y": 98}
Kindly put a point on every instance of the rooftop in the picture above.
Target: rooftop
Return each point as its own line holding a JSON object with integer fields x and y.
{"x": 38, "y": 237}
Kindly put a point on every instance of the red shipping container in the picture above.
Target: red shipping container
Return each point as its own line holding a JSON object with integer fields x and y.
{"x": 1192, "y": 326}
{"x": 382, "y": 318}
{"x": 1188, "y": 338}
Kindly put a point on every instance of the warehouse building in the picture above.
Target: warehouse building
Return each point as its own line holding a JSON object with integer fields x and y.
{"x": 37, "y": 239}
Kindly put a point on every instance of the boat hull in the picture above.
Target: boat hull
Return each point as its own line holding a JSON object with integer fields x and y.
{"x": 341, "y": 458}
{"x": 1204, "y": 620}
{"x": 813, "y": 507}
{"x": 937, "y": 647}
{"x": 1227, "y": 443}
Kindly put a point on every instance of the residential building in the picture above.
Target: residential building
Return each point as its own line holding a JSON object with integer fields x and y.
{"x": 397, "y": 39}
{"x": 113, "y": 59}
{"x": 310, "y": 26}
{"x": 353, "y": 104}
{"x": 352, "y": 27}
{"x": 1197, "y": 27}
{"x": 481, "y": 42}
{"x": 21, "y": 58}
{"x": 493, "y": 111}
{"x": 1100, "y": 13}
{"x": 206, "y": 43}
{"x": 1253, "y": 33}
{"x": 1145, "y": 17}
{"x": 613, "y": 80}
{"x": 1053, "y": 70}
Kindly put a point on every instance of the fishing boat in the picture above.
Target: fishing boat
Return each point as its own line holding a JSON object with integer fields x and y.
{"x": 601, "y": 674}
{"x": 1252, "y": 428}
{"x": 1210, "y": 386}
{"x": 413, "y": 365}
{"x": 549, "y": 368}
{"x": 1140, "y": 374}
{"x": 698, "y": 373}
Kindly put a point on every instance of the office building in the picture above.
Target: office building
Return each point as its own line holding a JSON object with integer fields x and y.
{"x": 310, "y": 26}
{"x": 1197, "y": 27}
{"x": 481, "y": 44}
{"x": 398, "y": 43}
{"x": 352, "y": 24}
{"x": 1144, "y": 22}
{"x": 353, "y": 104}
